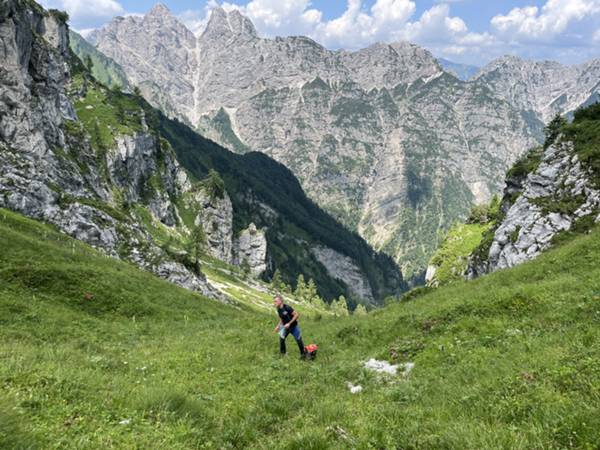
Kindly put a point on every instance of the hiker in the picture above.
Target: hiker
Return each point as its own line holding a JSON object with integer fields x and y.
{"x": 288, "y": 324}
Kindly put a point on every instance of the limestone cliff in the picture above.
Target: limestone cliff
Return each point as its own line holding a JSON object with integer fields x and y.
{"x": 52, "y": 168}
{"x": 549, "y": 194}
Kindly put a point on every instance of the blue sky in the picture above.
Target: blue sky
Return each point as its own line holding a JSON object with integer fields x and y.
{"x": 469, "y": 31}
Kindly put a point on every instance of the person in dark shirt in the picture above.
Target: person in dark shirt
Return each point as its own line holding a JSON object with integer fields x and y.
{"x": 288, "y": 324}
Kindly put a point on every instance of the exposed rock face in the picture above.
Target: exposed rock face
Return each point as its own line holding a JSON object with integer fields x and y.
{"x": 342, "y": 268}
{"x": 251, "y": 246}
{"x": 167, "y": 64}
{"x": 552, "y": 199}
{"x": 545, "y": 88}
{"x": 216, "y": 219}
{"x": 382, "y": 138}
{"x": 48, "y": 168}
{"x": 430, "y": 276}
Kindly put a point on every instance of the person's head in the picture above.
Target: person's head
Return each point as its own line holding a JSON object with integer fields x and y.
{"x": 277, "y": 301}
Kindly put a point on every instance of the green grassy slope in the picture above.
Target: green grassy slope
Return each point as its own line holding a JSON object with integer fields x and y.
{"x": 450, "y": 260}
{"x": 97, "y": 354}
{"x": 104, "y": 69}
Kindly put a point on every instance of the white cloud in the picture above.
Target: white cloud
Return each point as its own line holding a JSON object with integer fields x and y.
{"x": 357, "y": 28}
{"x": 555, "y": 20}
{"x": 195, "y": 20}
{"x": 87, "y": 13}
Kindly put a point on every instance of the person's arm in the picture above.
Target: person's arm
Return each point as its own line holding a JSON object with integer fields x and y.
{"x": 278, "y": 326}
{"x": 295, "y": 316}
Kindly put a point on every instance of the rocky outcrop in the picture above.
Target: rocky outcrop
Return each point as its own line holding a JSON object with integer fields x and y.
{"x": 216, "y": 219}
{"x": 554, "y": 198}
{"x": 250, "y": 248}
{"x": 430, "y": 275}
{"x": 343, "y": 268}
{"x": 52, "y": 169}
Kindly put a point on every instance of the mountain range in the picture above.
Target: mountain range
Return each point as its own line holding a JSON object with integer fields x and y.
{"x": 106, "y": 168}
{"x": 383, "y": 138}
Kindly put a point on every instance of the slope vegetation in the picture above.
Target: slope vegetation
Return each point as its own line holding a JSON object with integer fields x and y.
{"x": 95, "y": 353}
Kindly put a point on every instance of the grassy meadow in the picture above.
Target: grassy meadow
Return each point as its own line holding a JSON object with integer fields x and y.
{"x": 95, "y": 353}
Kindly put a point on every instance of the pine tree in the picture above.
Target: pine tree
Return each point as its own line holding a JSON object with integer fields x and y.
{"x": 340, "y": 307}
{"x": 120, "y": 112}
{"x": 276, "y": 282}
{"x": 245, "y": 266}
{"x": 214, "y": 185}
{"x": 97, "y": 142}
{"x": 553, "y": 129}
{"x": 300, "y": 291}
{"x": 311, "y": 291}
{"x": 195, "y": 245}
{"x": 360, "y": 310}
{"x": 319, "y": 303}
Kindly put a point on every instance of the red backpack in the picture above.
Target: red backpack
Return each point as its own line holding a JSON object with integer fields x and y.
{"x": 311, "y": 351}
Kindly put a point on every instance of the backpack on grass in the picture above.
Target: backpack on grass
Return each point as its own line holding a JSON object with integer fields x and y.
{"x": 311, "y": 351}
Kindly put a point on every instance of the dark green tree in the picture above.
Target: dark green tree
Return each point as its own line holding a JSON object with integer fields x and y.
{"x": 214, "y": 185}
{"x": 120, "y": 112}
{"x": 277, "y": 282}
{"x": 195, "y": 246}
{"x": 553, "y": 129}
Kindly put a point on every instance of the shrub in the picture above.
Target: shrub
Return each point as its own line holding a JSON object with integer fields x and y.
{"x": 214, "y": 185}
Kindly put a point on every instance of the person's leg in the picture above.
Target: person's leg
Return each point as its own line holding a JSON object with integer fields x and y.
{"x": 282, "y": 344}
{"x": 298, "y": 336}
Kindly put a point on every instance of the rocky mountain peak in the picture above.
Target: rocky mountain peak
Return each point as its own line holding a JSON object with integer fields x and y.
{"x": 546, "y": 88}
{"x": 159, "y": 10}
{"x": 223, "y": 25}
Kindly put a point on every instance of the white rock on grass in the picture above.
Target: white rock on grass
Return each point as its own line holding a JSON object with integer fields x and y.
{"x": 354, "y": 389}
{"x": 385, "y": 367}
